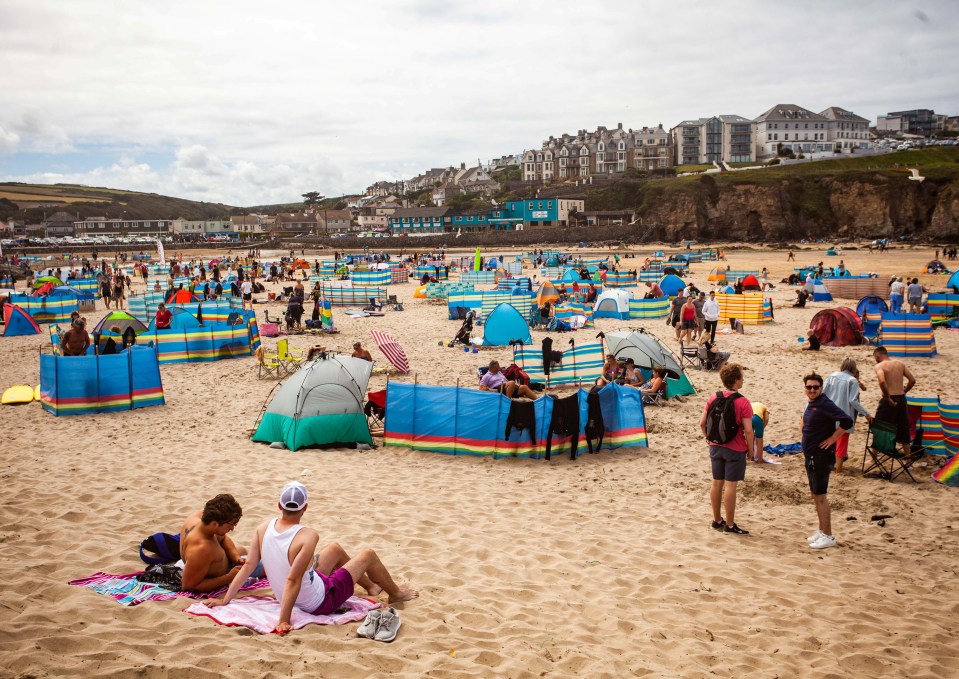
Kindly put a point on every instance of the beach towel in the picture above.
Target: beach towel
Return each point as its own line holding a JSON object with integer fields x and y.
{"x": 261, "y": 614}
{"x": 783, "y": 449}
{"x": 126, "y": 590}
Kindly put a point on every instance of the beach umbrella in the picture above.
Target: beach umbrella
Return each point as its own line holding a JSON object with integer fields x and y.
{"x": 477, "y": 259}
{"x": 392, "y": 350}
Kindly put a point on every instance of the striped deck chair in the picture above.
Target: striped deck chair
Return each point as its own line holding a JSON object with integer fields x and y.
{"x": 581, "y": 364}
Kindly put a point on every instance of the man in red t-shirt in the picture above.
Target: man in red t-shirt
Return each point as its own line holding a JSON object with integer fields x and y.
{"x": 163, "y": 318}
{"x": 729, "y": 458}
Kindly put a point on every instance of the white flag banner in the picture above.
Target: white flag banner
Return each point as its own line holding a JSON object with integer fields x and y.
{"x": 160, "y": 252}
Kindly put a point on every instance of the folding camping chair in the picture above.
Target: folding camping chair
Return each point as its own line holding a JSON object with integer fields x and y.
{"x": 884, "y": 456}
{"x": 269, "y": 363}
{"x": 290, "y": 359}
{"x": 690, "y": 356}
{"x": 375, "y": 410}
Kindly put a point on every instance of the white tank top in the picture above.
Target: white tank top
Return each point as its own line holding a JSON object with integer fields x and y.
{"x": 275, "y": 553}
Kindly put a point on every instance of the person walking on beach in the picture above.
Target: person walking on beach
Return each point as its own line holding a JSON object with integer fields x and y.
{"x": 892, "y": 405}
{"x": 711, "y": 316}
{"x": 317, "y": 583}
{"x": 822, "y": 425}
{"x": 842, "y": 388}
{"x": 727, "y": 424}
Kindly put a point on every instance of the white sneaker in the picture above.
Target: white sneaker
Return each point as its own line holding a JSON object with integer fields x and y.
{"x": 815, "y": 536}
{"x": 825, "y": 542}
{"x": 371, "y": 625}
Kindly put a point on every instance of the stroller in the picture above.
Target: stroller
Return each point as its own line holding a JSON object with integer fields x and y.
{"x": 463, "y": 336}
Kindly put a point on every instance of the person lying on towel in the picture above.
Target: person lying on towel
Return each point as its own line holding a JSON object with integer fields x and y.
{"x": 315, "y": 583}
{"x": 495, "y": 380}
{"x": 208, "y": 556}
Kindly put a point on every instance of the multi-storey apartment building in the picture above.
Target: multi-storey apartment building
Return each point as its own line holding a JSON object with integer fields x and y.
{"x": 846, "y": 130}
{"x": 921, "y": 121}
{"x": 602, "y": 152}
{"x": 788, "y": 126}
{"x": 727, "y": 138}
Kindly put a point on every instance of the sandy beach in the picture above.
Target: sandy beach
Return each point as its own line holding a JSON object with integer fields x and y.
{"x": 600, "y": 567}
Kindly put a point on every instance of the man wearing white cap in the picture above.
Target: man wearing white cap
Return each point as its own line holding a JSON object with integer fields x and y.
{"x": 315, "y": 583}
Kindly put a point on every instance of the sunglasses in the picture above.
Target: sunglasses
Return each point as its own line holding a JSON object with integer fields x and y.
{"x": 813, "y": 387}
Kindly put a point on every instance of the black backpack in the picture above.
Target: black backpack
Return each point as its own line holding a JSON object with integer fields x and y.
{"x": 721, "y": 421}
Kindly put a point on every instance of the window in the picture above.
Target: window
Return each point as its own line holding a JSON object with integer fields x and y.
{"x": 786, "y": 137}
{"x": 530, "y": 205}
{"x": 549, "y": 205}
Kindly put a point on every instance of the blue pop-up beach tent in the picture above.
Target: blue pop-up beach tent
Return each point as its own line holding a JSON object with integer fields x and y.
{"x": 504, "y": 325}
{"x": 954, "y": 282}
{"x": 672, "y": 284}
{"x": 18, "y": 322}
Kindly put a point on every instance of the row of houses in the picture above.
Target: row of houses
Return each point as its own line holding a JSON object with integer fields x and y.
{"x": 719, "y": 138}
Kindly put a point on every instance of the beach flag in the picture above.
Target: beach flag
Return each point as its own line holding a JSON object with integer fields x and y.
{"x": 477, "y": 258}
{"x": 326, "y": 315}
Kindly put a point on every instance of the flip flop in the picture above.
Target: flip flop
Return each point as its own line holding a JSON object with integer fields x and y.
{"x": 389, "y": 626}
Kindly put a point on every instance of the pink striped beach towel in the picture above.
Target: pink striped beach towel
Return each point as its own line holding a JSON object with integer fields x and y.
{"x": 261, "y": 614}
{"x": 126, "y": 590}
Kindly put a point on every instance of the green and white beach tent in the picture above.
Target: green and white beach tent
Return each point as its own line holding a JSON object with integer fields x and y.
{"x": 320, "y": 404}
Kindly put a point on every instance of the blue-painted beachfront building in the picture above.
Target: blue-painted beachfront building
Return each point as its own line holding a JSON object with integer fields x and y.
{"x": 513, "y": 215}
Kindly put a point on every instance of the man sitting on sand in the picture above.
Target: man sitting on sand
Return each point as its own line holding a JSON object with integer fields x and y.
{"x": 209, "y": 558}
{"x": 360, "y": 352}
{"x": 315, "y": 583}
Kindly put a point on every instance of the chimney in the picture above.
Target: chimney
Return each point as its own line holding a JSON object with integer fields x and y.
{"x": 619, "y": 126}
{"x": 462, "y": 166}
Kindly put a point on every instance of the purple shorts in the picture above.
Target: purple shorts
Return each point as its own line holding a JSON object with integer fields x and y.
{"x": 339, "y": 588}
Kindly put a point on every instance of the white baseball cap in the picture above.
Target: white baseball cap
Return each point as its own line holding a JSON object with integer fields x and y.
{"x": 293, "y": 496}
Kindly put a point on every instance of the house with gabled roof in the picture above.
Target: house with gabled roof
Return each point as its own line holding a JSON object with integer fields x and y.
{"x": 847, "y": 130}
{"x": 788, "y": 126}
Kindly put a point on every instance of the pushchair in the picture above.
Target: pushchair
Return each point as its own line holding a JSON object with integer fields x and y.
{"x": 463, "y": 336}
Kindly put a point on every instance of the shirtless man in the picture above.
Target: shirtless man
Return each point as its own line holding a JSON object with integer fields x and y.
{"x": 76, "y": 340}
{"x": 360, "y": 352}
{"x": 315, "y": 583}
{"x": 210, "y": 559}
{"x": 892, "y": 406}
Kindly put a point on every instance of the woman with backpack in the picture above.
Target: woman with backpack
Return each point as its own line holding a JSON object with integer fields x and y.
{"x": 727, "y": 424}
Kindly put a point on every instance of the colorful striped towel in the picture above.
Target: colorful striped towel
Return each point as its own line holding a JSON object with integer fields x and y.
{"x": 261, "y": 614}
{"x": 126, "y": 590}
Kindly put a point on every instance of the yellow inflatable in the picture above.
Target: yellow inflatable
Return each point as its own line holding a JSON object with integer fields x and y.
{"x": 420, "y": 292}
{"x": 36, "y": 393}
{"x": 20, "y": 393}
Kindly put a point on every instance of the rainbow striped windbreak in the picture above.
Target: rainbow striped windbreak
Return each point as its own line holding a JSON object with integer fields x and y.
{"x": 581, "y": 364}
{"x": 379, "y": 277}
{"x": 656, "y": 307}
{"x": 80, "y": 385}
{"x": 49, "y": 309}
{"x": 349, "y": 296}
{"x": 943, "y": 306}
{"x": 620, "y": 279}
{"x": 460, "y": 421}
{"x": 750, "y": 308}
{"x": 907, "y": 335}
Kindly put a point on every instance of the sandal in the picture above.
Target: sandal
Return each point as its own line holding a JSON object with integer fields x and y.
{"x": 719, "y": 525}
{"x": 735, "y": 529}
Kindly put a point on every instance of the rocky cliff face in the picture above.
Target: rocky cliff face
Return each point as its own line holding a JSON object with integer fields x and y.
{"x": 813, "y": 207}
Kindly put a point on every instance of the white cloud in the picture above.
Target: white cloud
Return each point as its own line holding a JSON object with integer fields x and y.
{"x": 8, "y": 141}
{"x": 264, "y": 102}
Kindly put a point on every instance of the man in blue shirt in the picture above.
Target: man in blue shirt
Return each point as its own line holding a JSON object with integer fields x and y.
{"x": 822, "y": 424}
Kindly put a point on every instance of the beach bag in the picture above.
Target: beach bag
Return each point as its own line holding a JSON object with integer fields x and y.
{"x": 721, "y": 422}
{"x": 269, "y": 329}
{"x": 165, "y": 575}
{"x": 515, "y": 373}
{"x": 161, "y": 547}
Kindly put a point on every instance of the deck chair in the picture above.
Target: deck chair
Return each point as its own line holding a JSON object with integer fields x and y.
{"x": 289, "y": 358}
{"x": 690, "y": 356}
{"x": 883, "y": 457}
{"x": 269, "y": 364}
{"x": 375, "y": 409}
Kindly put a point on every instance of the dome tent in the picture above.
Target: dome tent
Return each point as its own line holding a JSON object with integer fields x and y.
{"x": 180, "y": 319}
{"x": 122, "y": 320}
{"x": 750, "y": 282}
{"x": 547, "y": 293}
{"x": 717, "y": 275}
{"x": 820, "y": 293}
{"x": 504, "y": 325}
{"x": 672, "y": 285}
{"x": 612, "y": 303}
{"x": 838, "y": 327}
{"x": 647, "y": 352}
{"x": 954, "y": 282}
{"x": 320, "y": 404}
{"x": 18, "y": 322}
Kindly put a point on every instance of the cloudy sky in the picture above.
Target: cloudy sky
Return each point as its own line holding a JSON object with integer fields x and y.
{"x": 257, "y": 102}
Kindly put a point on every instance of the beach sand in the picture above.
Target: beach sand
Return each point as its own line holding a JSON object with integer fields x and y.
{"x": 602, "y": 567}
